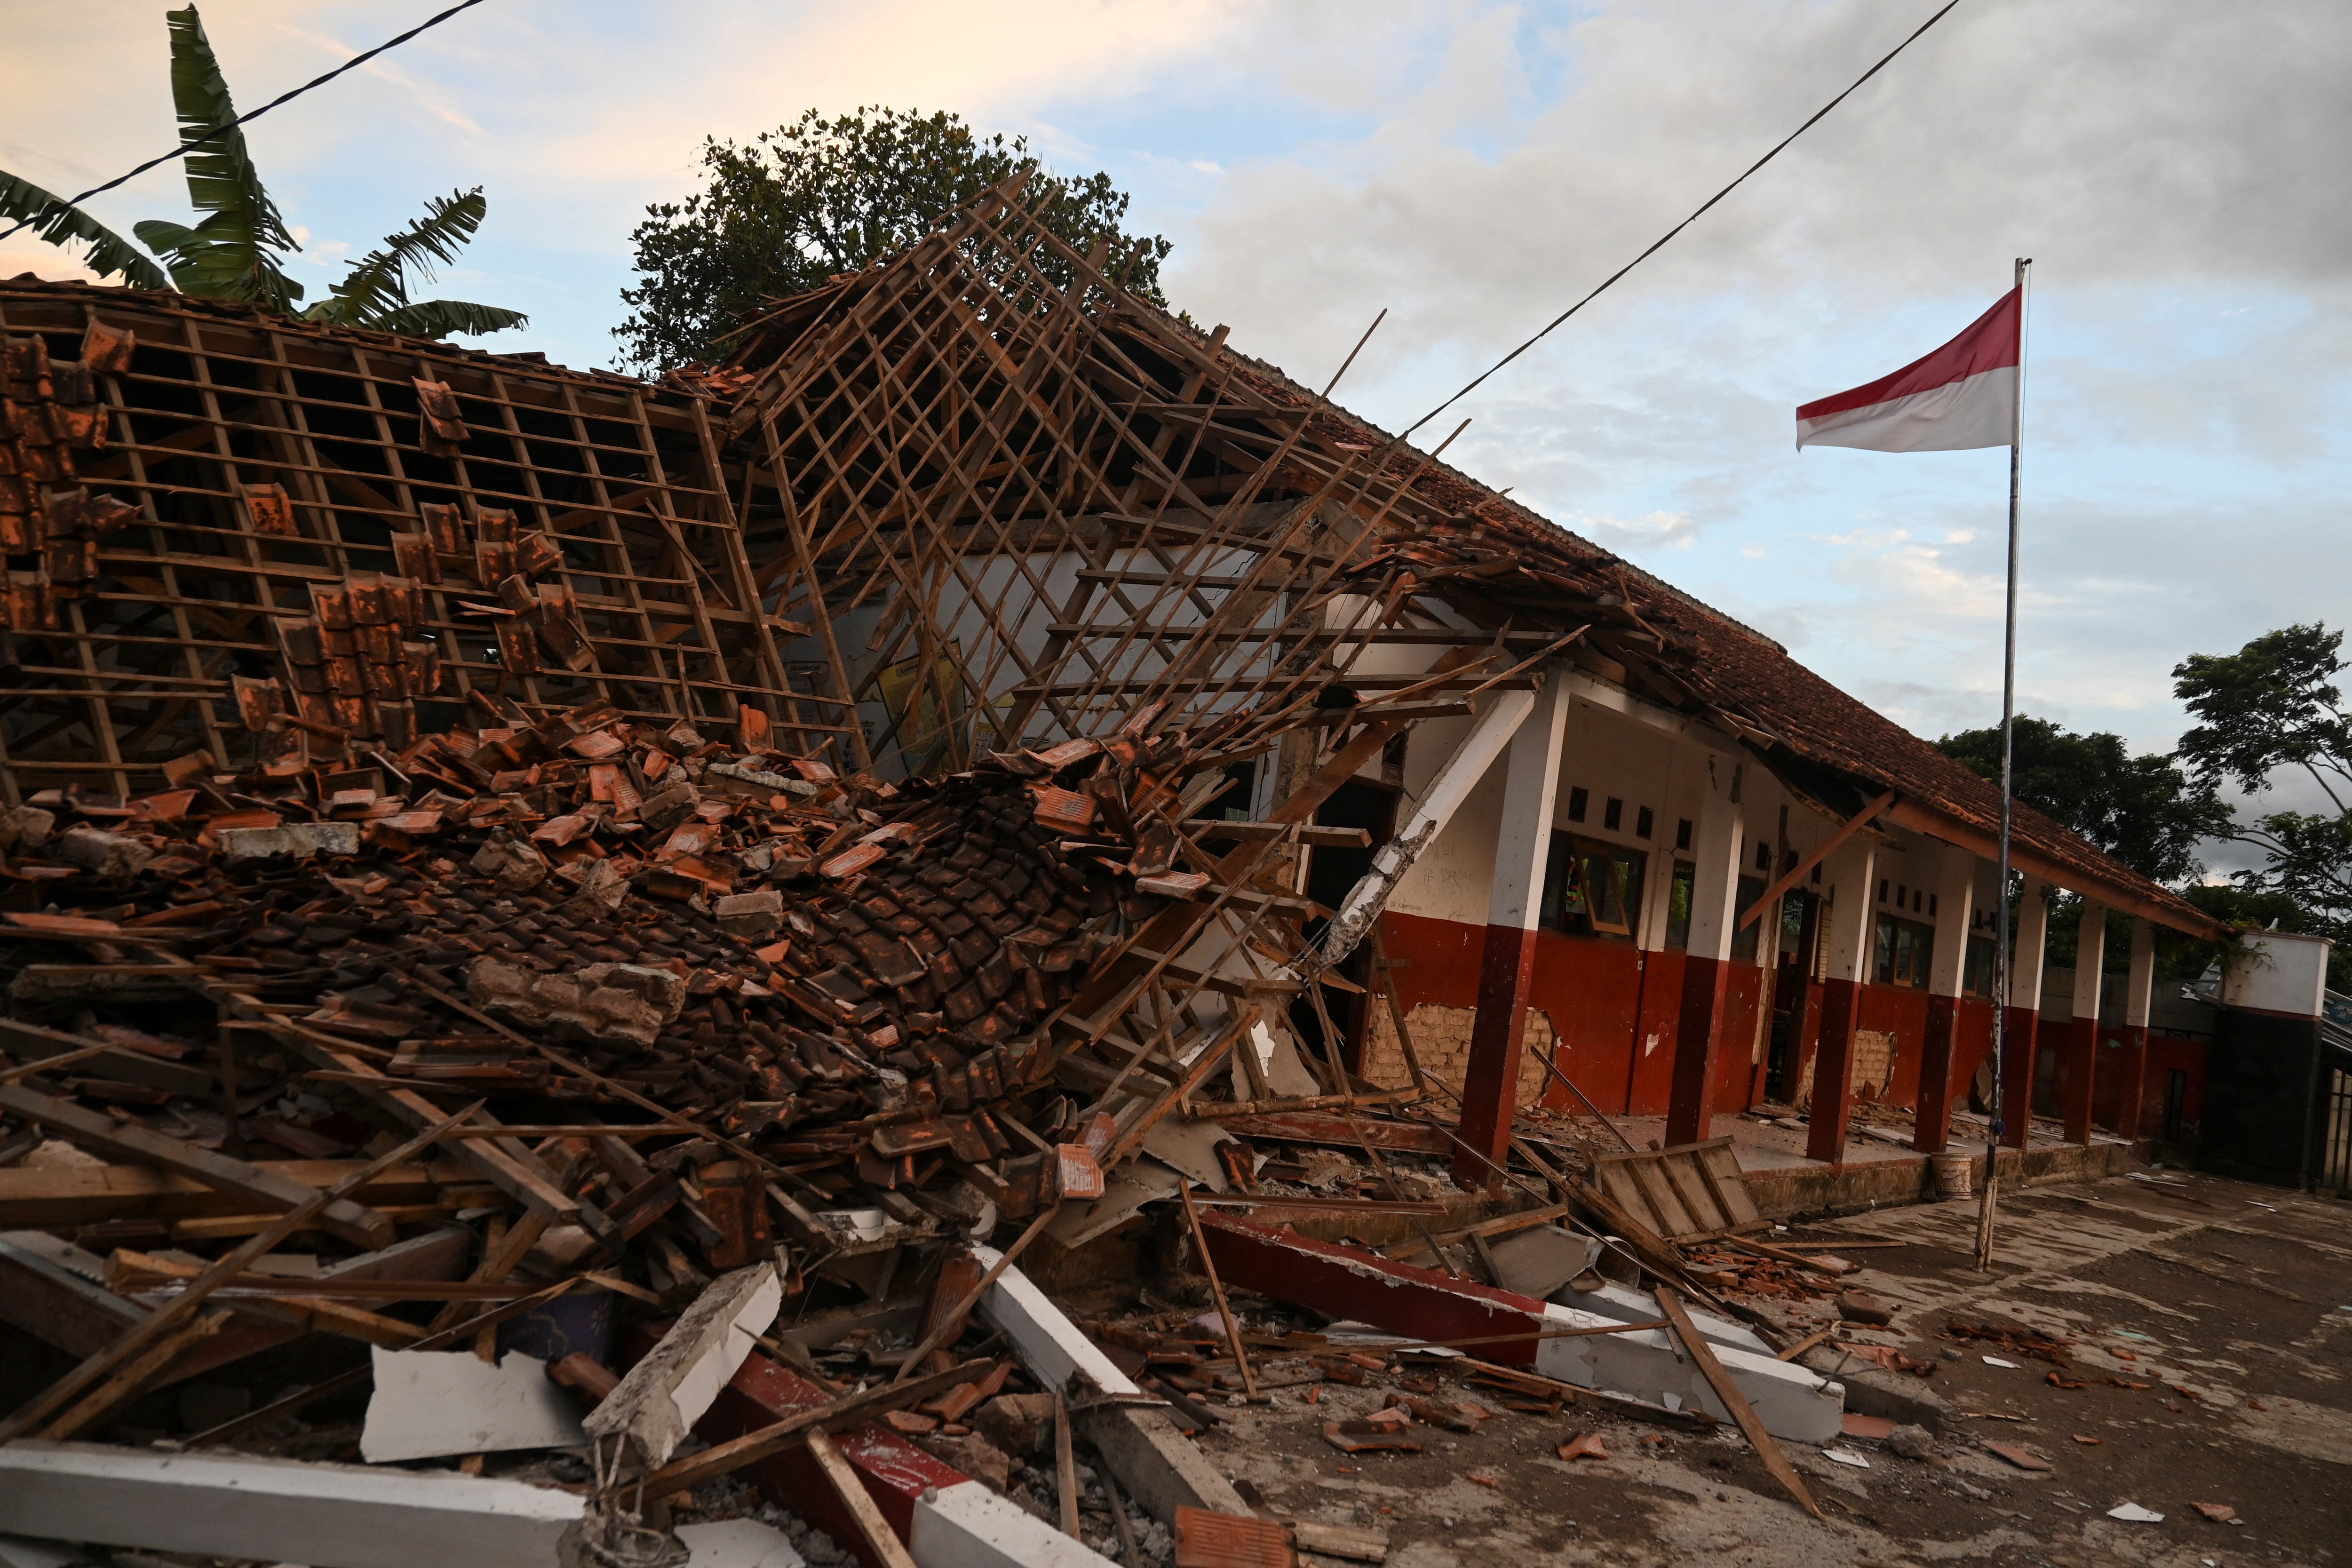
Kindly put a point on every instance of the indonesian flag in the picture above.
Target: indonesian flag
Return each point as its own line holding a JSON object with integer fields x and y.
{"x": 1964, "y": 395}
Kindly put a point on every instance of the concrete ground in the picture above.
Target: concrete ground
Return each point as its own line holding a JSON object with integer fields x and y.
{"x": 2229, "y": 1306}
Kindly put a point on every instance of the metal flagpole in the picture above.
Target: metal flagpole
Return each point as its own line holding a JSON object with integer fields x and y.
{"x": 1993, "y": 1126}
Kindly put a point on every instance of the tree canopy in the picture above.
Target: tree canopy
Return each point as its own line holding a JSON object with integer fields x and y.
{"x": 2146, "y": 811}
{"x": 2273, "y": 707}
{"x": 238, "y": 250}
{"x": 819, "y": 197}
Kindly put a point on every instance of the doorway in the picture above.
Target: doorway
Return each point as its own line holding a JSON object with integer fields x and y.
{"x": 1331, "y": 874}
{"x": 1792, "y": 991}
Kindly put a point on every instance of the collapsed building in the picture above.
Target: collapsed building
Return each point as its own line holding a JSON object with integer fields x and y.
{"x": 985, "y": 753}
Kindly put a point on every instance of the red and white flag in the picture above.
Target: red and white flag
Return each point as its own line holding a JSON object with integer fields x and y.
{"x": 1964, "y": 395}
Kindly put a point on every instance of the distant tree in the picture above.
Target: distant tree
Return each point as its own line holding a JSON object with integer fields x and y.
{"x": 818, "y": 197}
{"x": 238, "y": 250}
{"x": 2276, "y": 706}
{"x": 2146, "y": 811}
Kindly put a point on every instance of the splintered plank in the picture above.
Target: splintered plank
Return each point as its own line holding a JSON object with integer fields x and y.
{"x": 353, "y": 1222}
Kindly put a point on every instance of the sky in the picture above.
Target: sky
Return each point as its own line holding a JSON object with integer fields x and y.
{"x": 2175, "y": 169}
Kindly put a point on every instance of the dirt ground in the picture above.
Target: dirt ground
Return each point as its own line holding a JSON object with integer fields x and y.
{"x": 2230, "y": 1304}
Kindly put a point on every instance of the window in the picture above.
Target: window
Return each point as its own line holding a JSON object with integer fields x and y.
{"x": 1682, "y": 833}
{"x": 1763, "y": 856}
{"x": 1645, "y": 823}
{"x": 1976, "y": 977}
{"x": 1743, "y": 937}
{"x": 1579, "y": 802}
{"x": 1592, "y": 889}
{"x": 1882, "y": 889}
{"x": 1612, "y": 814}
{"x": 1903, "y": 949}
{"x": 1931, "y": 906}
{"x": 1678, "y": 906}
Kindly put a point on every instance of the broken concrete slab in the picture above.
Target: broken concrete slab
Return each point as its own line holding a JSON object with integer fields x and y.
{"x": 1873, "y": 1390}
{"x": 429, "y": 1403}
{"x": 300, "y": 839}
{"x": 738, "y": 1543}
{"x": 1628, "y": 1305}
{"x": 666, "y": 1393}
{"x": 279, "y": 1510}
{"x": 1340, "y": 1281}
{"x": 968, "y": 1526}
{"x": 1156, "y": 1464}
{"x": 1542, "y": 1258}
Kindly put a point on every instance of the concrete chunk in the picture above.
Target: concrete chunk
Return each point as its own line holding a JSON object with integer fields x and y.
{"x": 107, "y": 853}
{"x": 300, "y": 839}
{"x": 279, "y": 1510}
{"x": 427, "y": 1403}
{"x": 666, "y": 1393}
{"x": 738, "y": 1543}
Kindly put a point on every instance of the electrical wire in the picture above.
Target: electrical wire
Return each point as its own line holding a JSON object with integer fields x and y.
{"x": 1661, "y": 242}
{"x": 190, "y": 146}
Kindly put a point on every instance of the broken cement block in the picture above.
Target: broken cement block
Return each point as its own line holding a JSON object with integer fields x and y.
{"x": 427, "y": 1403}
{"x": 978, "y": 1458}
{"x": 279, "y": 1510}
{"x": 1627, "y": 1305}
{"x": 517, "y": 866}
{"x": 1793, "y": 1404}
{"x": 611, "y": 1003}
{"x": 300, "y": 839}
{"x": 753, "y": 916}
{"x": 666, "y": 1393}
{"x": 25, "y": 827}
{"x": 738, "y": 1543}
{"x": 968, "y": 1526}
{"x": 1016, "y": 1422}
{"x": 107, "y": 853}
{"x": 1540, "y": 1260}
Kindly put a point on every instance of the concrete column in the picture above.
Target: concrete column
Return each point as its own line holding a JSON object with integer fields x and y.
{"x": 2139, "y": 992}
{"x": 1716, "y": 849}
{"x": 2023, "y": 1012}
{"x": 1853, "y": 909}
{"x": 2081, "y": 1062}
{"x": 1956, "y": 888}
{"x": 1522, "y": 847}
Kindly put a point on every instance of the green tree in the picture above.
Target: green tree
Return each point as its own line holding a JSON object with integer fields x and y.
{"x": 2276, "y": 706}
{"x": 238, "y": 250}
{"x": 819, "y": 197}
{"x": 2146, "y": 811}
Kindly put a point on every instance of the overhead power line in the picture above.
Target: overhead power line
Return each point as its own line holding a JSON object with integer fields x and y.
{"x": 190, "y": 146}
{"x": 1661, "y": 242}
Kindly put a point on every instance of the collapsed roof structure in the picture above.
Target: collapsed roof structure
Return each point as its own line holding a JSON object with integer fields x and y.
{"x": 927, "y": 719}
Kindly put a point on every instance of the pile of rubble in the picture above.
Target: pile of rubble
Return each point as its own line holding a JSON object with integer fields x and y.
{"x": 569, "y": 1045}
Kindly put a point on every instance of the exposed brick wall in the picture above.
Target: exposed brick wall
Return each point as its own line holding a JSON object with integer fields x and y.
{"x": 1441, "y": 1038}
